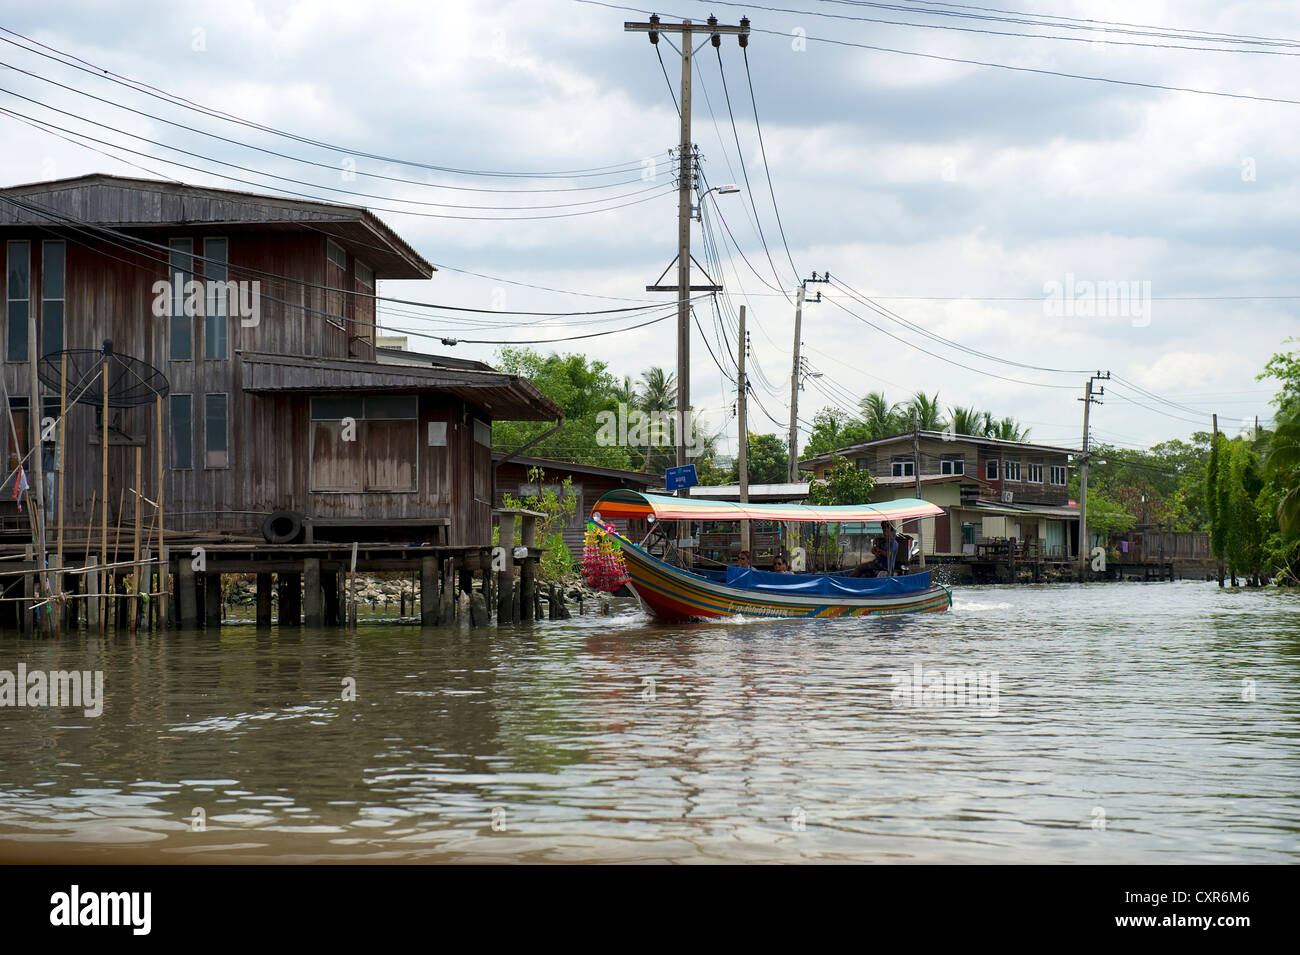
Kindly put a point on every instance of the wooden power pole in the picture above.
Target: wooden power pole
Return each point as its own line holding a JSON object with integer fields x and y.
{"x": 796, "y": 373}
{"x": 916, "y": 470}
{"x": 686, "y": 31}
{"x": 1089, "y": 399}
{"x": 742, "y": 428}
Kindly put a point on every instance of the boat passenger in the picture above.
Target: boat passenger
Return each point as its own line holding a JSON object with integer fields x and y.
{"x": 890, "y": 546}
{"x": 742, "y": 560}
{"x": 869, "y": 568}
{"x": 779, "y": 565}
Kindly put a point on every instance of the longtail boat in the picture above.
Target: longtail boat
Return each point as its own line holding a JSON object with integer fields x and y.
{"x": 676, "y": 593}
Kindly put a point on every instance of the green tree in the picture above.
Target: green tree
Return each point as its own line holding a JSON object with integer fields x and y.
{"x": 969, "y": 421}
{"x": 846, "y": 484}
{"x": 559, "y": 507}
{"x": 767, "y": 460}
{"x": 1285, "y": 367}
{"x": 1283, "y": 468}
{"x": 1007, "y": 429}
{"x": 880, "y": 417}
{"x": 1245, "y": 533}
{"x": 927, "y": 410}
{"x": 583, "y": 389}
{"x": 834, "y": 429}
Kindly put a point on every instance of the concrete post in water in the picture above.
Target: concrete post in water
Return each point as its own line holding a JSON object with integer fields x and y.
{"x": 263, "y": 600}
{"x": 186, "y": 599}
{"x": 428, "y": 591}
{"x": 528, "y": 572}
{"x": 506, "y": 573}
{"x": 314, "y": 615}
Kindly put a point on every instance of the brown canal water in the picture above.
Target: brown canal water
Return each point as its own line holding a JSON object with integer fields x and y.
{"x": 1128, "y": 723}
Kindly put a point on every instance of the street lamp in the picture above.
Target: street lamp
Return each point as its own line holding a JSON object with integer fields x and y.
{"x": 725, "y": 190}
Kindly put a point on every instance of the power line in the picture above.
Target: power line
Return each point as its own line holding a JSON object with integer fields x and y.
{"x": 138, "y": 86}
{"x": 994, "y": 65}
{"x": 989, "y": 32}
{"x": 658, "y": 189}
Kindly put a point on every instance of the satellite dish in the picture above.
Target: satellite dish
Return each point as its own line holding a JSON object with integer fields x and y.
{"x": 130, "y": 381}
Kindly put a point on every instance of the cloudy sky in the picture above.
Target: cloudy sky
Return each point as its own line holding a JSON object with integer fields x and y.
{"x": 963, "y": 200}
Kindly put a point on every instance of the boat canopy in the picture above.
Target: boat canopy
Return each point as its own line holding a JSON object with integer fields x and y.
{"x": 624, "y": 503}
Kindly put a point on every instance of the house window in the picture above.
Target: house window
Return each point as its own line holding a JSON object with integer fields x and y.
{"x": 181, "y": 270}
{"x": 1035, "y": 474}
{"x": 991, "y": 469}
{"x": 363, "y": 303}
{"x": 364, "y": 443}
{"x": 18, "y": 296}
{"x": 861, "y": 464}
{"x": 901, "y": 467}
{"x": 216, "y": 272}
{"x": 1011, "y": 470}
{"x": 182, "y": 433}
{"x": 216, "y": 431}
{"x": 952, "y": 466}
{"x": 53, "y": 255}
{"x": 336, "y": 280}
{"x": 1059, "y": 475}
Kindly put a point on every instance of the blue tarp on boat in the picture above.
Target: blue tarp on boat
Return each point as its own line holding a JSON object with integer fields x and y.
{"x": 818, "y": 585}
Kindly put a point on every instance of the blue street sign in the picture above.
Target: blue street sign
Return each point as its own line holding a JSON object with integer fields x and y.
{"x": 677, "y": 478}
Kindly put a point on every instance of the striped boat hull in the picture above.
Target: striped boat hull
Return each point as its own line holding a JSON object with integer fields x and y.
{"x": 672, "y": 594}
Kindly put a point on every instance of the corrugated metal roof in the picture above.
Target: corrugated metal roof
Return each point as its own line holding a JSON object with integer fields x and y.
{"x": 127, "y": 203}
{"x": 503, "y": 396}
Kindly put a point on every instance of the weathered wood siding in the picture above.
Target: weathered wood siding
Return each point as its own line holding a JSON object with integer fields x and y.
{"x": 109, "y": 295}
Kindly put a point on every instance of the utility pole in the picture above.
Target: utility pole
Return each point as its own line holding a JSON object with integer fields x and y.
{"x": 1088, "y": 399}
{"x": 1214, "y": 443}
{"x": 685, "y": 187}
{"x": 916, "y": 469}
{"x": 742, "y": 427}
{"x": 793, "y": 473}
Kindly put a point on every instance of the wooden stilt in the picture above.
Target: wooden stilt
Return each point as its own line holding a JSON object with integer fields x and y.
{"x": 63, "y": 441}
{"x": 163, "y": 566}
{"x": 311, "y": 593}
{"x": 352, "y": 588}
{"x": 429, "y": 591}
{"x": 103, "y": 448}
{"x": 212, "y": 601}
{"x": 135, "y": 556}
{"x": 263, "y": 600}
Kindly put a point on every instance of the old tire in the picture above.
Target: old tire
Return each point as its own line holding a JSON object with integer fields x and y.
{"x": 282, "y": 527}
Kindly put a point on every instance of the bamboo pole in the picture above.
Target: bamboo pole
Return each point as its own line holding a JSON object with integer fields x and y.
{"x": 352, "y": 588}
{"x": 135, "y": 570}
{"x": 163, "y": 563}
{"x": 103, "y": 544}
{"x": 63, "y": 448}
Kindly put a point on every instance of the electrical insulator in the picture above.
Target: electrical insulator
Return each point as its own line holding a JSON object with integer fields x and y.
{"x": 716, "y": 39}
{"x": 744, "y": 32}
{"x": 654, "y": 34}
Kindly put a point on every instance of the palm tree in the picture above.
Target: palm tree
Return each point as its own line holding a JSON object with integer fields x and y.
{"x": 967, "y": 420}
{"x": 1008, "y": 429}
{"x": 625, "y": 393}
{"x": 880, "y": 417}
{"x": 929, "y": 415}
{"x": 1284, "y": 460}
{"x": 657, "y": 398}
